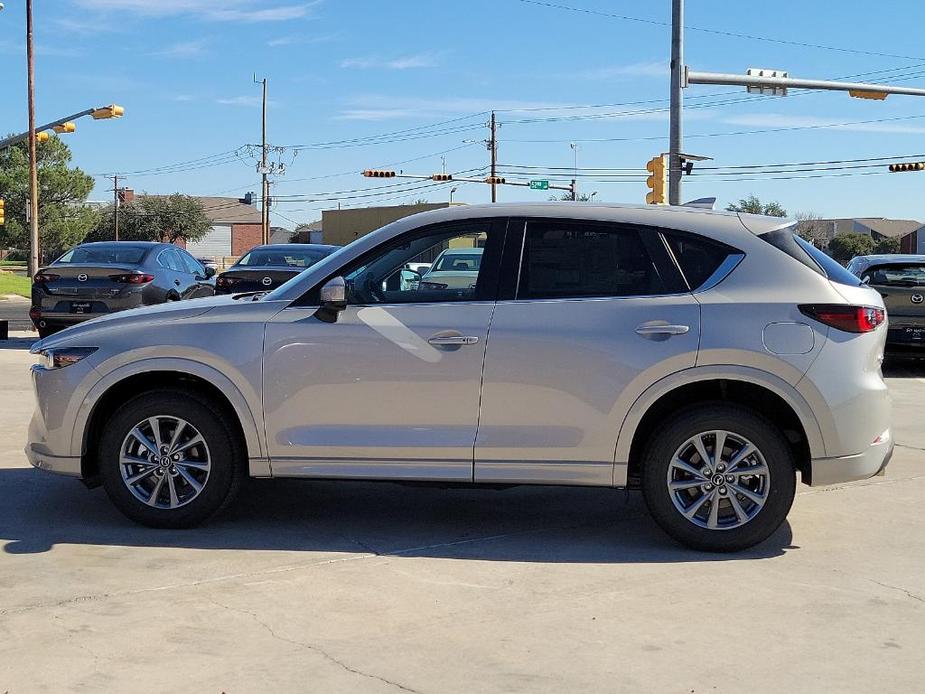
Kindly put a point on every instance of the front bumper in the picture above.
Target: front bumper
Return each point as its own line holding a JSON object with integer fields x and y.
{"x": 851, "y": 468}
{"x": 60, "y": 465}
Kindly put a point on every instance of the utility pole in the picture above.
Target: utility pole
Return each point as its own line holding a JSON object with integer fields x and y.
{"x": 493, "y": 148}
{"x": 115, "y": 204}
{"x": 265, "y": 194}
{"x": 33, "y": 163}
{"x": 574, "y": 146}
{"x": 676, "y": 103}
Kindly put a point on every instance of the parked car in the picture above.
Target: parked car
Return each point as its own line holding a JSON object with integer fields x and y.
{"x": 266, "y": 267}
{"x": 900, "y": 279}
{"x": 96, "y": 279}
{"x": 208, "y": 262}
{"x": 706, "y": 358}
{"x": 454, "y": 268}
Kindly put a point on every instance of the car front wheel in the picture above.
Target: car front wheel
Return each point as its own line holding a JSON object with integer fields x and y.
{"x": 170, "y": 459}
{"x": 719, "y": 478}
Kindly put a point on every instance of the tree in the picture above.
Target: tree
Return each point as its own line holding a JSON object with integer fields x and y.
{"x": 887, "y": 245}
{"x": 567, "y": 196}
{"x": 845, "y": 246}
{"x": 64, "y": 219}
{"x": 811, "y": 228}
{"x": 753, "y": 205}
{"x": 157, "y": 218}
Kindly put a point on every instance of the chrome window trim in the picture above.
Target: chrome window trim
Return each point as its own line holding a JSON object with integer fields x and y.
{"x": 722, "y": 272}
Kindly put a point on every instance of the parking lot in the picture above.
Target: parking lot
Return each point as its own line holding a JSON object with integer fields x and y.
{"x": 318, "y": 586}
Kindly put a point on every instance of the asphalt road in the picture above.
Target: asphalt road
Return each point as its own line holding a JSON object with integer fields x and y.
{"x": 322, "y": 587}
{"x": 16, "y": 311}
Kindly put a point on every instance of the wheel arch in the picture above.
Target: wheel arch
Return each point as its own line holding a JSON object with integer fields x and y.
{"x": 151, "y": 374}
{"x": 758, "y": 390}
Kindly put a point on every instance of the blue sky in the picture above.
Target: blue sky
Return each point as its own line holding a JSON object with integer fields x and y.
{"x": 344, "y": 71}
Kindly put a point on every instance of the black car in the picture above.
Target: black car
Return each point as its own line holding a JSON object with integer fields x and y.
{"x": 95, "y": 279}
{"x": 266, "y": 267}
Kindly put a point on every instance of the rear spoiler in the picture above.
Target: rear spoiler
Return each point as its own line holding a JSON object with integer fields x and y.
{"x": 701, "y": 203}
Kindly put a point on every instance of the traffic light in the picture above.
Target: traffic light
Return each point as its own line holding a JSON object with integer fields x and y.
{"x": 657, "y": 181}
{"x": 248, "y": 199}
{"x": 111, "y": 111}
{"x": 441, "y": 177}
{"x": 42, "y": 137}
{"x": 498, "y": 180}
{"x": 376, "y": 173}
{"x": 914, "y": 166}
{"x": 2, "y": 211}
{"x": 68, "y": 127}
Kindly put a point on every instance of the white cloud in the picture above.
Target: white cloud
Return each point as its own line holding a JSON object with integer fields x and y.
{"x": 781, "y": 120}
{"x": 226, "y": 11}
{"x": 299, "y": 40}
{"x": 243, "y": 101}
{"x": 405, "y": 62}
{"x": 647, "y": 69}
{"x": 184, "y": 49}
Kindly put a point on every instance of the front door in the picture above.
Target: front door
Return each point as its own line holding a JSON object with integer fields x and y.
{"x": 391, "y": 389}
{"x": 599, "y": 313}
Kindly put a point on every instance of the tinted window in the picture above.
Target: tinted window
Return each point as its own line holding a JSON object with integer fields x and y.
{"x": 806, "y": 253}
{"x": 170, "y": 259}
{"x": 698, "y": 257}
{"x": 575, "y": 259}
{"x": 193, "y": 266}
{"x": 897, "y": 275}
{"x": 108, "y": 254}
{"x": 830, "y": 267}
{"x": 284, "y": 257}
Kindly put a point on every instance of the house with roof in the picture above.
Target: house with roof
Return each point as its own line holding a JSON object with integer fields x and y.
{"x": 910, "y": 232}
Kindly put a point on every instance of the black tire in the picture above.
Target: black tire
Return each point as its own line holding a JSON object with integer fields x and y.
{"x": 707, "y": 417}
{"x": 227, "y": 465}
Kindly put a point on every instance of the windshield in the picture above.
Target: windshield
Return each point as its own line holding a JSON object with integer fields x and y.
{"x": 109, "y": 254}
{"x": 905, "y": 275}
{"x": 456, "y": 262}
{"x": 284, "y": 257}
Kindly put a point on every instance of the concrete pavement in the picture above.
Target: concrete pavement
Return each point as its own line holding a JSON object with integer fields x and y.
{"x": 15, "y": 309}
{"x": 320, "y": 586}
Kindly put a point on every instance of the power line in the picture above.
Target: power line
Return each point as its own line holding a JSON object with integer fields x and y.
{"x": 717, "y": 32}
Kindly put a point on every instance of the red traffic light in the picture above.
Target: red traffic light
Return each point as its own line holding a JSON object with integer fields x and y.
{"x": 377, "y": 173}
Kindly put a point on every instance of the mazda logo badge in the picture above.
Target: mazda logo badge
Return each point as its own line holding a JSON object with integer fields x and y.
{"x": 267, "y": 281}
{"x": 81, "y": 277}
{"x": 917, "y": 298}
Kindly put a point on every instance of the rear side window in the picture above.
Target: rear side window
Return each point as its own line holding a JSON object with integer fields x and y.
{"x": 575, "y": 259}
{"x": 806, "y": 253}
{"x": 698, "y": 258}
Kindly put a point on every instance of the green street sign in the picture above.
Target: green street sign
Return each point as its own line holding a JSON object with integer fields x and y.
{"x": 539, "y": 185}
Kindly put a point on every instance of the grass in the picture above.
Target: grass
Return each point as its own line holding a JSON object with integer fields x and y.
{"x": 14, "y": 284}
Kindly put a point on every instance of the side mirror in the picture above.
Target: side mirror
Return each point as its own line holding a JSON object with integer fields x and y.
{"x": 865, "y": 279}
{"x": 210, "y": 271}
{"x": 333, "y": 299}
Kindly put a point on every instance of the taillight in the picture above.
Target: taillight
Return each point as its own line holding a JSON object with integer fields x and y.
{"x": 43, "y": 277}
{"x": 132, "y": 278}
{"x": 852, "y": 319}
{"x": 223, "y": 281}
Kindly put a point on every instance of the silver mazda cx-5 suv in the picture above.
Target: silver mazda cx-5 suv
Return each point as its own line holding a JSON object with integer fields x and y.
{"x": 705, "y": 358}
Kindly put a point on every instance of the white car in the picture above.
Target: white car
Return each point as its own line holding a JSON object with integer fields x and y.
{"x": 706, "y": 358}
{"x": 454, "y": 268}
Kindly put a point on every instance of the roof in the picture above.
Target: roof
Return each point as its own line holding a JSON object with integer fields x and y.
{"x": 893, "y": 228}
{"x": 462, "y": 251}
{"x": 294, "y": 246}
{"x": 891, "y": 258}
{"x": 127, "y": 244}
{"x": 229, "y": 211}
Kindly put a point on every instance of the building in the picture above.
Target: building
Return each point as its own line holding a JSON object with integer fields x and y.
{"x": 340, "y": 227}
{"x": 909, "y": 231}
{"x": 236, "y": 227}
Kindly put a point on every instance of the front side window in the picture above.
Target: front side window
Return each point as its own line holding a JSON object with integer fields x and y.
{"x": 577, "y": 259}
{"x": 440, "y": 264}
{"x": 192, "y": 266}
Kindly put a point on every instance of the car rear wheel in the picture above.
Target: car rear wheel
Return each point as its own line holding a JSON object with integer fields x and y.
{"x": 168, "y": 459}
{"x": 719, "y": 478}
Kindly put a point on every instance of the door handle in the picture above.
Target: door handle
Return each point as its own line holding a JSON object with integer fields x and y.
{"x": 177, "y": 282}
{"x": 452, "y": 340}
{"x": 659, "y": 330}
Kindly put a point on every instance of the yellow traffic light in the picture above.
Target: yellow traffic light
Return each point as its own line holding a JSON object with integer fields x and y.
{"x": 914, "y": 166}
{"x": 494, "y": 179}
{"x": 111, "y": 111}
{"x": 376, "y": 173}
{"x": 68, "y": 127}
{"x": 657, "y": 181}
{"x": 42, "y": 137}
{"x": 2, "y": 211}
{"x": 441, "y": 177}
{"x": 862, "y": 94}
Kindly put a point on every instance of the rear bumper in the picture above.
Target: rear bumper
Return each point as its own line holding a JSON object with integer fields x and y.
{"x": 850, "y": 468}
{"x": 58, "y": 464}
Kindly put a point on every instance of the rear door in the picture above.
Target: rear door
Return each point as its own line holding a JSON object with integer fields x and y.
{"x": 596, "y": 314}
{"x": 201, "y": 285}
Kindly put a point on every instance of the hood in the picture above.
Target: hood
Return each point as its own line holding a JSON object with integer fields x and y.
{"x": 124, "y": 320}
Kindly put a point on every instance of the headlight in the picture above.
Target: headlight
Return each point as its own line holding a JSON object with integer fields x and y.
{"x": 58, "y": 358}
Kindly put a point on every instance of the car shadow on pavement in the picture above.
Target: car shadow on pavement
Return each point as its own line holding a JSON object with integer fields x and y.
{"x": 903, "y": 366}
{"x": 21, "y": 343}
{"x": 523, "y": 524}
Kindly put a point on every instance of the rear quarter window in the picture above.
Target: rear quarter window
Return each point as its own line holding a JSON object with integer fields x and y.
{"x": 698, "y": 258}
{"x": 806, "y": 253}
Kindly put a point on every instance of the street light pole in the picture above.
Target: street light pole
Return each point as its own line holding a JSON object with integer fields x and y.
{"x": 33, "y": 164}
{"x": 265, "y": 186}
{"x": 676, "y": 103}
